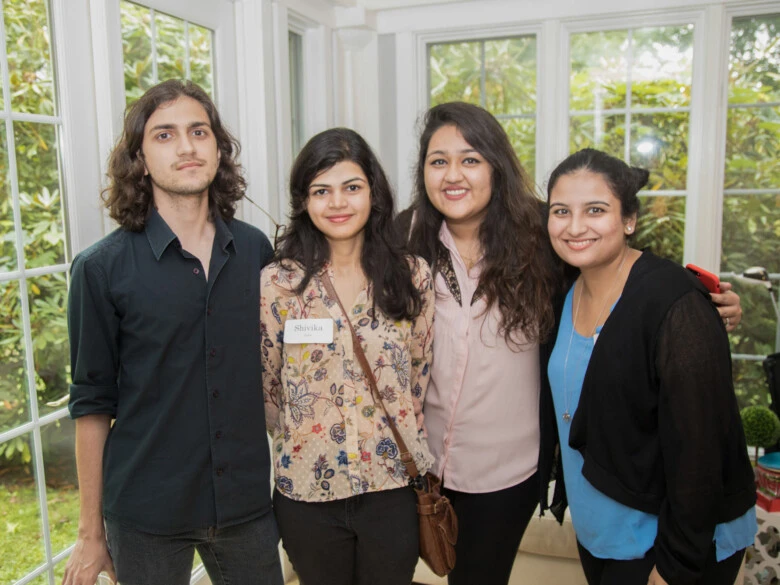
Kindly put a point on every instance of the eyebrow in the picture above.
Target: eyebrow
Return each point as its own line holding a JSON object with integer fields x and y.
{"x": 347, "y": 182}
{"x": 464, "y": 151}
{"x": 190, "y": 126}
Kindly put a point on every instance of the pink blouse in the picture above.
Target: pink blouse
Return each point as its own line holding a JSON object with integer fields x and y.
{"x": 482, "y": 405}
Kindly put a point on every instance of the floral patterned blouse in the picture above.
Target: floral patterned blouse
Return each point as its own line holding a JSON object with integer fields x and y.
{"x": 330, "y": 439}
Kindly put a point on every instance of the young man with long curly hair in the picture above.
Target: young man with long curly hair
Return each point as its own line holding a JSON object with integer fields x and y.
{"x": 163, "y": 320}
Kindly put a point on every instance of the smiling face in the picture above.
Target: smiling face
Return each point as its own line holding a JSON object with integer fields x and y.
{"x": 586, "y": 225}
{"x": 179, "y": 149}
{"x": 339, "y": 201}
{"x": 458, "y": 180}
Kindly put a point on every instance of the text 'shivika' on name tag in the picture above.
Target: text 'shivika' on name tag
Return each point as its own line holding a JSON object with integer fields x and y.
{"x": 308, "y": 331}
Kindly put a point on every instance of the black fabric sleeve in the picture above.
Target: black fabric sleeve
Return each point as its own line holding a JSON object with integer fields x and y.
{"x": 695, "y": 421}
{"x": 93, "y": 326}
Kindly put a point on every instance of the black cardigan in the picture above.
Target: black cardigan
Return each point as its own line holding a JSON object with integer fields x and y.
{"x": 657, "y": 423}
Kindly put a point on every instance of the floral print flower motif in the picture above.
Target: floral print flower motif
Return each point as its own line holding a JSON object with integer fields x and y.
{"x": 275, "y": 312}
{"x": 323, "y": 472}
{"x": 368, "y": 411}
{"x": 300, "y": 401}
{"x": 316, "y": 429}
{"x": 338, "y": 433}
{"x": 286, "y": 461}
{"x": 417, "y": 391}
{"x": 284, "y": 484}
{"x": 358, "y": 485}
{"x": 387, "y": 449}
{"x": 342, "y": 458}
{"x": 399, "y": 363}
{"x": 320, "y": 374}
{"x": 365, "y": 456}
{"x": 316, "y": 356}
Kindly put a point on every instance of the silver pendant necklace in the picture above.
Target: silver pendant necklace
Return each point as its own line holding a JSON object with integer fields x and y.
{"x": 566, "y": 415}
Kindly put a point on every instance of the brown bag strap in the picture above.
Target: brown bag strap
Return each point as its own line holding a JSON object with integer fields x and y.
{"x": 406, "y": 456}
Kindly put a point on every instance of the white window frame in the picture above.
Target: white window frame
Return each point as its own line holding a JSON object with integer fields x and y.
{"x": 317, "y": 96}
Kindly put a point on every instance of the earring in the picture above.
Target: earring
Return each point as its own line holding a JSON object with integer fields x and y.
{"x": 629, "y": 229}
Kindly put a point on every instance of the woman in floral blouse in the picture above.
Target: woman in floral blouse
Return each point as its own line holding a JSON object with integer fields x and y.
{"x": 342, "y": 501}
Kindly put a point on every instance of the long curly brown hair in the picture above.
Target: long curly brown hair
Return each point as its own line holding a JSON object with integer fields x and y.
{"x": 520, "y": 274}
{"x": 129, "y": 194}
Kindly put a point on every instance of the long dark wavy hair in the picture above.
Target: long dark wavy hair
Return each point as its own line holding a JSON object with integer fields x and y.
{"x": 129, "y": 194}
{"x": 519, "y": 275}
{"x": 383, "y": 261}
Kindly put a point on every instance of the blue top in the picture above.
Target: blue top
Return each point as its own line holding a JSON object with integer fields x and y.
{"x": 605, "y": 527}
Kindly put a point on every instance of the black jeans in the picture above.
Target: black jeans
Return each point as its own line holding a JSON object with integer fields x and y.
{"x": 490, "y": 528}
{"x": 371, "y": 539}
{"x": 245, "y": 554}
{"x": 636, "y": 571}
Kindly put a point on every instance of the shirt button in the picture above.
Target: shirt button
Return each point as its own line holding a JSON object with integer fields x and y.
{"x": 196, "y": 270}
{"x": 218, "y": 434}
{"x": 213, "y": 352}
{"x": 220, "y": 471}
{"x": 215, "y": 393}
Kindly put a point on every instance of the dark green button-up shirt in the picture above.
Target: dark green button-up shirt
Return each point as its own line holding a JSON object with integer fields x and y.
{"x": 174, "y": 358}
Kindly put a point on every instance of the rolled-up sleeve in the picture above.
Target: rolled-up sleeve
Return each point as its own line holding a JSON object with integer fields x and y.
{"x": 93, "y": 324}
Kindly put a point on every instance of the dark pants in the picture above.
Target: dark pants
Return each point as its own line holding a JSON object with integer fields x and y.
{"x": 245, "y": 554}
{"x": 490, "y": 527}
{"x": 636, "y": 571}
{"x": 372, "y": 539}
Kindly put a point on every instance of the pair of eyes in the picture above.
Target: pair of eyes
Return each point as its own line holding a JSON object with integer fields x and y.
{"x": 197, "y": 133}
{"x": 440, "y": 162}
{"x": 590, "y": 211}
{"x": 351, "y": 188}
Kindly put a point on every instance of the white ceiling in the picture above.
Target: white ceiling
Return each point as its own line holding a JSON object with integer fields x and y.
{"x": 388, "y": 4}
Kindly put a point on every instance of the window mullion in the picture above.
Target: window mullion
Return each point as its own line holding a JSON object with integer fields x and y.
{"x": 630, "y": 64}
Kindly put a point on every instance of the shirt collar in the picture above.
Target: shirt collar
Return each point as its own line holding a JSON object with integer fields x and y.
{"x": 160, "y": 235}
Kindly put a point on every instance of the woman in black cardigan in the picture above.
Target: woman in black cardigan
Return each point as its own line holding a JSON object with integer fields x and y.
{"x": 657, "y": 475}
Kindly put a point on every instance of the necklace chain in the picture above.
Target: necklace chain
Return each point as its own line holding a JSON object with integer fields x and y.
{"x": 566, "y": 415}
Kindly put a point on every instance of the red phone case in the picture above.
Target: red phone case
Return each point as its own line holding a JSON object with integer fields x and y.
{"x": 708, "y": 279}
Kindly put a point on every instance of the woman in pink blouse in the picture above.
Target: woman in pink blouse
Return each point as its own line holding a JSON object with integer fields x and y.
{"x": 342, "y": 501}
{"x": 479, "y": 224}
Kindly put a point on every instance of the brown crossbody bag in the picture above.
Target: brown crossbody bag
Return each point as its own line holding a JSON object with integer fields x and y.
{"x": 438, "y": 523}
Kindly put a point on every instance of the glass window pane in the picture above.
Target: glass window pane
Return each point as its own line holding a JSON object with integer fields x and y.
{"x": 295, "y": 54}
{"x": 756, "y": 334}
{"x": 753, "y": 148}
{"x": 662, "y": 65}
{"x": 21, "y": 533}
{"x": 750, "y": 383}
{"x": 171, "y": 49}
{"x": 51, "y": 351}
{"x": 14, "y": 393}
{"x": 136, "y": 49}
{"x": 62, "y": 494}
{"x": 454, "y": 72}
{"x": 755, "y": 60}
{"x": 37, "y": 161}
{"x": 28, "y": 47}
{"x": 599, "y": 70}
{"x": 606, "y": 133}
{"x": 7, "y": 229}
{"x": 659, "y": 143}
{"x": 661, "y": 226}
{"x": 522, "y": 135}
{"x": 510, "y": 75}
{"x": 751, "y": 233}
{"x": 201, "y": 69}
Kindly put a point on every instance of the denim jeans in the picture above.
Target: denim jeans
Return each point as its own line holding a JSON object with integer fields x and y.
{"x": 371, "y": 539}
{"x": 245, "y": 554}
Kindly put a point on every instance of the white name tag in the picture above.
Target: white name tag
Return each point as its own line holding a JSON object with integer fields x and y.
{"x": 308, "y": 331}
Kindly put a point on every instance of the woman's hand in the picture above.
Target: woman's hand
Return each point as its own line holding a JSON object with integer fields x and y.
{"x": 729, "y": 306}
{"x": 655, "y": 578}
